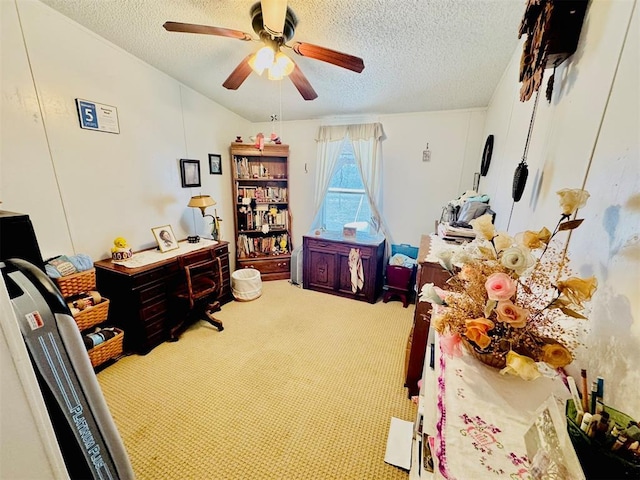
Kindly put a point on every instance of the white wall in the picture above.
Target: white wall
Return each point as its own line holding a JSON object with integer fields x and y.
{"x": 83, "y": 188}
{"x": 414, "y": 191}
{"x": 589, "y": 135}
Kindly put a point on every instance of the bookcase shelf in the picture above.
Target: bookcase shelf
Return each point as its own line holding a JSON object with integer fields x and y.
{"x": 261, "y": 197}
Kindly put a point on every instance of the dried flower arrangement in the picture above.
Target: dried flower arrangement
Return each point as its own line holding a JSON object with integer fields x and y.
{"x": 506, "y": 296}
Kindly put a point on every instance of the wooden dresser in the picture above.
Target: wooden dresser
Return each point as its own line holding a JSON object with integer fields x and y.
{"x": 326, "y": 264}
{"x": 428, "y": 272}
{"x": 139, "y": 296}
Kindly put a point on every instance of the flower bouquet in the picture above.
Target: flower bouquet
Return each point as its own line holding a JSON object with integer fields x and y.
{"x": 508, "y": 297}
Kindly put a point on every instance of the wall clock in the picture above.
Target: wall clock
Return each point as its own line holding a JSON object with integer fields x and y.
{"x": 553, "y": 29}
{"x": 486, "y": 156}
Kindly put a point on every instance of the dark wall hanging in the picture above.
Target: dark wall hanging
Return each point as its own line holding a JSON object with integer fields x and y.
{"x": 553, "y": 29}
{"x": 522, "y": 170}
{"x": 486, "y": 156}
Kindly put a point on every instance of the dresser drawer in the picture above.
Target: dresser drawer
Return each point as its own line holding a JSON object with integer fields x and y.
{"x": 148, "y": 277}
{"x": 153, "y": 293}
{"x": 151, "y": 310}
{"x": 268, "y": 265}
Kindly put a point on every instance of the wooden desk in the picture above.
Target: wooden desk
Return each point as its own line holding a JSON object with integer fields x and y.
{"x": 417, "y": 343}
{"x": 139, "y": 296}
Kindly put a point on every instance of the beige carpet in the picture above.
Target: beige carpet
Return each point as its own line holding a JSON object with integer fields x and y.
{"x": 299, "y": 385}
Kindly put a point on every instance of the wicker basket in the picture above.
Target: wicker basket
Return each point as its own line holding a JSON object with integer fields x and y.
{"x": 77, "y": 283}
{"x": 107, "y": 350}
{"x": 495, "y": 360}
{"x": 94, "y": 315}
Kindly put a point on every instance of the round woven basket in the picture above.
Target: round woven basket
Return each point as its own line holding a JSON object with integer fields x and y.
{"x": 494, "y": 360}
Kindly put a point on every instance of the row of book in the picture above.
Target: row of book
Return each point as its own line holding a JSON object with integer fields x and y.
{"x": 260, "y": 246}
{"x": 255, "y": 219}
{"x": 262, "y": 194}
{"x": 252, "y": 169}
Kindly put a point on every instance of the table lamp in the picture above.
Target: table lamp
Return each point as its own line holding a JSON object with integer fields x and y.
{"x": 202, "y": 202}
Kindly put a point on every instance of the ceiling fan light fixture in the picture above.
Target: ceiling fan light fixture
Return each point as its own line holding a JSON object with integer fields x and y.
{"x": 262, "y": 59}
{"x": 282, "y": 67}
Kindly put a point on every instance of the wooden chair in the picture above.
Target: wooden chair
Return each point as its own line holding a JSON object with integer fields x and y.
{"x": 199, "y": 292}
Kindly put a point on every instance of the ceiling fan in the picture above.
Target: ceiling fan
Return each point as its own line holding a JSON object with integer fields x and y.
{"x": 274, "y": 23}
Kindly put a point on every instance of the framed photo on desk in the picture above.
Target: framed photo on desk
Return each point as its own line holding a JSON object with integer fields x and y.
{"x": 165, "y": 238}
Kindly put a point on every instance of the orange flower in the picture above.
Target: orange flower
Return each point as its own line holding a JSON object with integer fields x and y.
{"x": 512, "y": 314}
{"x": 477, "y": 331}
{"x": 556, "y": 355}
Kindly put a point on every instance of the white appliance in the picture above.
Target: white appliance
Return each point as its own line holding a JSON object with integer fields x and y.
{"x": 296, "y": 266}
{"x": 88, "y": 439}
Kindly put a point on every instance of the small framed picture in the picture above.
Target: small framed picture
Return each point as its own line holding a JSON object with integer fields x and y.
{"x": 165, "y": 238}
{"x": 215, "y": 164}
{"x": 190, "y": 173}
{"x": 476, "y": 181}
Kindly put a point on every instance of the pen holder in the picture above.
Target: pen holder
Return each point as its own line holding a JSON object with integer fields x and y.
{"x": 596, "y": 457}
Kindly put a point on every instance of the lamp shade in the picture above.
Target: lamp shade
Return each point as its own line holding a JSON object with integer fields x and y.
{"x": 201, "y": 202}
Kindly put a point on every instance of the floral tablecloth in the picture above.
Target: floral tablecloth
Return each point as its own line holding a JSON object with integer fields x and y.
{"x": 482, "y": 417}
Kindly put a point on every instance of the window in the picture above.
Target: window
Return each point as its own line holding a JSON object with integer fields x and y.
{"x": 346, "y": 200}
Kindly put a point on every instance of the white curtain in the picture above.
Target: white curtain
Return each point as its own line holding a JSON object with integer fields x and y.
{"x": 367, "y": 149}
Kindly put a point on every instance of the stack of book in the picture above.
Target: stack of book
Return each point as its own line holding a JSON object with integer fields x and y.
{"x": 455, "y": 234}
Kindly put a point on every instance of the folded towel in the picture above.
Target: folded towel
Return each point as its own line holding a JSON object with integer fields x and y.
{"x": 64, "y": 265}
{"x": 81, "y": 261}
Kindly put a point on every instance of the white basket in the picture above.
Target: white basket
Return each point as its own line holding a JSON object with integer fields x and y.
{"x": 246, "y": 284}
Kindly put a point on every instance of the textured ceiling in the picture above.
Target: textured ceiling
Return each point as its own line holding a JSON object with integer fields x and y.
{"x": 419, "y": 55}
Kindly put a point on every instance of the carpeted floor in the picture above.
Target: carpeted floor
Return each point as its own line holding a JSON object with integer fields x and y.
{"x": 299, "y": 385}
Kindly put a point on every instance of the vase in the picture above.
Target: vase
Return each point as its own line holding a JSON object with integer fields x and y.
{"x": 492, "y": 359}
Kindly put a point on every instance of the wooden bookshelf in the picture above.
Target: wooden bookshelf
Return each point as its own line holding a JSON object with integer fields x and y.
{"x": 262, "y": 218}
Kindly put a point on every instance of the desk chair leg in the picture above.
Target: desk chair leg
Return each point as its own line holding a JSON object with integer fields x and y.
{"x": 211, "y": 309}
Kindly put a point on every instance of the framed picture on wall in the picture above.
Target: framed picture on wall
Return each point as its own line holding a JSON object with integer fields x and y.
{"x": 190, "y": 173}
{"x": 215, "y": 164}
{"x": 165, "y": 238}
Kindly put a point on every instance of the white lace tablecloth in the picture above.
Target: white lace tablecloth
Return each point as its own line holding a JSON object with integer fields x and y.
{"x": 482, "y": 417}
{"x": 147, "y": 257}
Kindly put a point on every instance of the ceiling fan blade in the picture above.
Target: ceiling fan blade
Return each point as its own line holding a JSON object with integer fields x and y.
{"x": 273, "y": 15}
{"x": 344, "y": 60}
{"x": 302, "y": 84}
{"x": 192, "y": 28}
{"x": 239, "y": 75}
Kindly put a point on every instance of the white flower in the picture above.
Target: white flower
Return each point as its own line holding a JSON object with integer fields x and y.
{"x": 428, "y": 294}
{"x": 445, "y": 258}
{"x": 518, "y": 259}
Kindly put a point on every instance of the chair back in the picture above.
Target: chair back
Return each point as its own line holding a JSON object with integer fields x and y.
{"x": 203, "y": 278}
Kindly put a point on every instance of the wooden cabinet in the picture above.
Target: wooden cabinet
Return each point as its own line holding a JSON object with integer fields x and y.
{"x": 326, "y": 264}
{"x": 140, "y": 296}
{"x": 262, "y": 219}
{"x": 428, "y": 272}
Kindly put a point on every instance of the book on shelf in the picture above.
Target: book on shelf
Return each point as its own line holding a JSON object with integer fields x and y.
{"x": 263, "y": 246}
